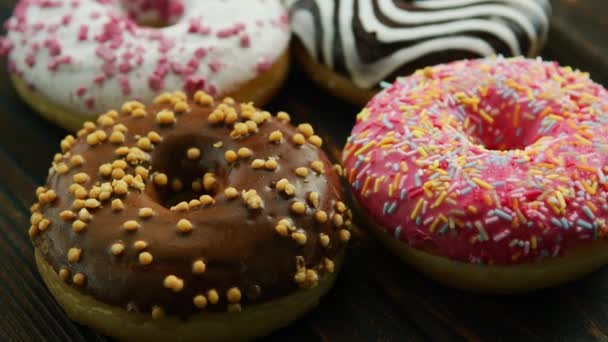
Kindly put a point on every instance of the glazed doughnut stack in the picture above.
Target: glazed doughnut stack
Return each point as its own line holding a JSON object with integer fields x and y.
{"x": 202, "y": 218}
{"x": 487, "y": 174}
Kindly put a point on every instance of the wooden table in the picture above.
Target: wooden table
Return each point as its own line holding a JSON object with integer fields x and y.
{"x": 377, "y": 298}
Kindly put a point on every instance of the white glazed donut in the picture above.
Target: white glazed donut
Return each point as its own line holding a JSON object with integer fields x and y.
{"x": 85, "y": 56}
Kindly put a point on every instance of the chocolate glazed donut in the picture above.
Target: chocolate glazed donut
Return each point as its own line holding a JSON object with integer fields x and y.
{"x": 185, "y": 206}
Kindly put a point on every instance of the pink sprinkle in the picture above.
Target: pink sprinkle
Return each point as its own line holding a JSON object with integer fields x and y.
{"x": 38, "y": 26}
{"x": 105, "y": 53}
{"x": 284, "y": 19}
{"x": 193, "y": 63}
{"x": 53, "y": 45}
{"x": 95, "y": 15}
{"x": 194, "y": 26}
{"x": 230, "y": 31}
{"x": 99, "y": 79}
{"x": 124, "y": 68}
{"x": 263, "y": 64}
{"x": 215, "y": 65}
{"x": 165, "y": 45}
{"x": 5, "y": 46}
{"x": 127, "y": 55}
{"x": 80, "y": 91}
{"x": 75, "y": 3}
{"x": 212, "y": 90}
{"x": 50, "y": 3}
{"x": 66, "y": 19}
{"x": 109, "y": 69}
{"x": 125, "y": 85}
{"x": 155, "y": 82}
{"x": 245, "y": 40}
{"x": 52, "y": 28}
{"x": 194, "y": 83}
{"x": 90, "y": 103}
{"x": 58, "y": 61}
{"x": 204, "y": 30}
{"x": 30, "y": 60}
{"x": 83, "y": 32}
{"x": 200, "y": 52}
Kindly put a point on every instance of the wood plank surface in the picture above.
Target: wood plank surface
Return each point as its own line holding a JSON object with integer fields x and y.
{"x": 376, "y": 298}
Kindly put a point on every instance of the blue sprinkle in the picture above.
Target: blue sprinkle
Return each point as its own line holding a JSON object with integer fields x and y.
{"x": 588, "y": 212}
{"x": 584, "y": 224}
{"x": 466, "y": 190}
{"x": 397, "y": 232}
{"x": 557, "y": 222}
{"x": 395, "y": 167}
{"x": 384, "y": 208}
{"x": 417, "y": 181}
{"x": 386, "y": 123}
{"x": 502, "y": 214}
{"x": 443, "y": 229}
{"x": 391, "y": 208}
{"x": 418, "y": 220}
{"x": 384, "y": 84}
{"x": 565, "y": 223}
{"x": 498, "y": 184}
{"x": 518, "y": 131}
{"x": 402, "y": 194}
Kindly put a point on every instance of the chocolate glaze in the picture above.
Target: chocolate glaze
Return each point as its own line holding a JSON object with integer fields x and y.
{"x": 239, "y": 246}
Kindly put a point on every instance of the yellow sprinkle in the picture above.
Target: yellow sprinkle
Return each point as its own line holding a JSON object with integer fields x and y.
{"x": 555, "y": 117}
{"x": 582, "y": 140}
{"x": 486, "y": 116}
{"x": 482, "y": 183}
{"x": 440, "y": 199}
{"x": 396, "y": 181}
{"x": 545, "y": 112}
{"x": 422, "y": 151}
{"x": 434, "y": 225}
{"x": 417, "y": 208}
{"x": 365, "y": 148}
{"x": 560, "y": 199}
{"x": 377, "y": 183}
{"x": 586, "y": 168}
{"x": 365, "y": 185}
{"x": 487, "y": 199}
{"x": 533, "y": 241}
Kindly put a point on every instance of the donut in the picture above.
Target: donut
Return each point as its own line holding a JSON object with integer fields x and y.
{"x": 350, "y": 47}
{"x": 190, "y": 219}
{"x": 487, "y": 174}
{"x": 73, "y": 59}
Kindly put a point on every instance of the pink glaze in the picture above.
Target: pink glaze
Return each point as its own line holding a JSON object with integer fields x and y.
{"x": 494, "y": 161}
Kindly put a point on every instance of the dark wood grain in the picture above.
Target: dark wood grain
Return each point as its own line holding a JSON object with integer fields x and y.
{"x": 376, "y": 298}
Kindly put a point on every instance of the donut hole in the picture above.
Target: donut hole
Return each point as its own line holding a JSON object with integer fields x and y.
{"x": 192, "y": 166}
{"x": 154, "y": 13}
{"x": 503, "y": 125}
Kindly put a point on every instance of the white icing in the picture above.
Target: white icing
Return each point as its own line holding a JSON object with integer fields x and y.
{"x": 429, "y": 28}
{"x": 300, "y": 20}
{"x": 264, "y": 26}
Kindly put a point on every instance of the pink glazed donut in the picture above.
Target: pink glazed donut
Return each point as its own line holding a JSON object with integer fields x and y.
{"x": 72, "y": 59}
{"x": 487, "y": 175}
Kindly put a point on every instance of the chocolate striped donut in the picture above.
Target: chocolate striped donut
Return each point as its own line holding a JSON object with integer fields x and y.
{"x": 374, "y": 40}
